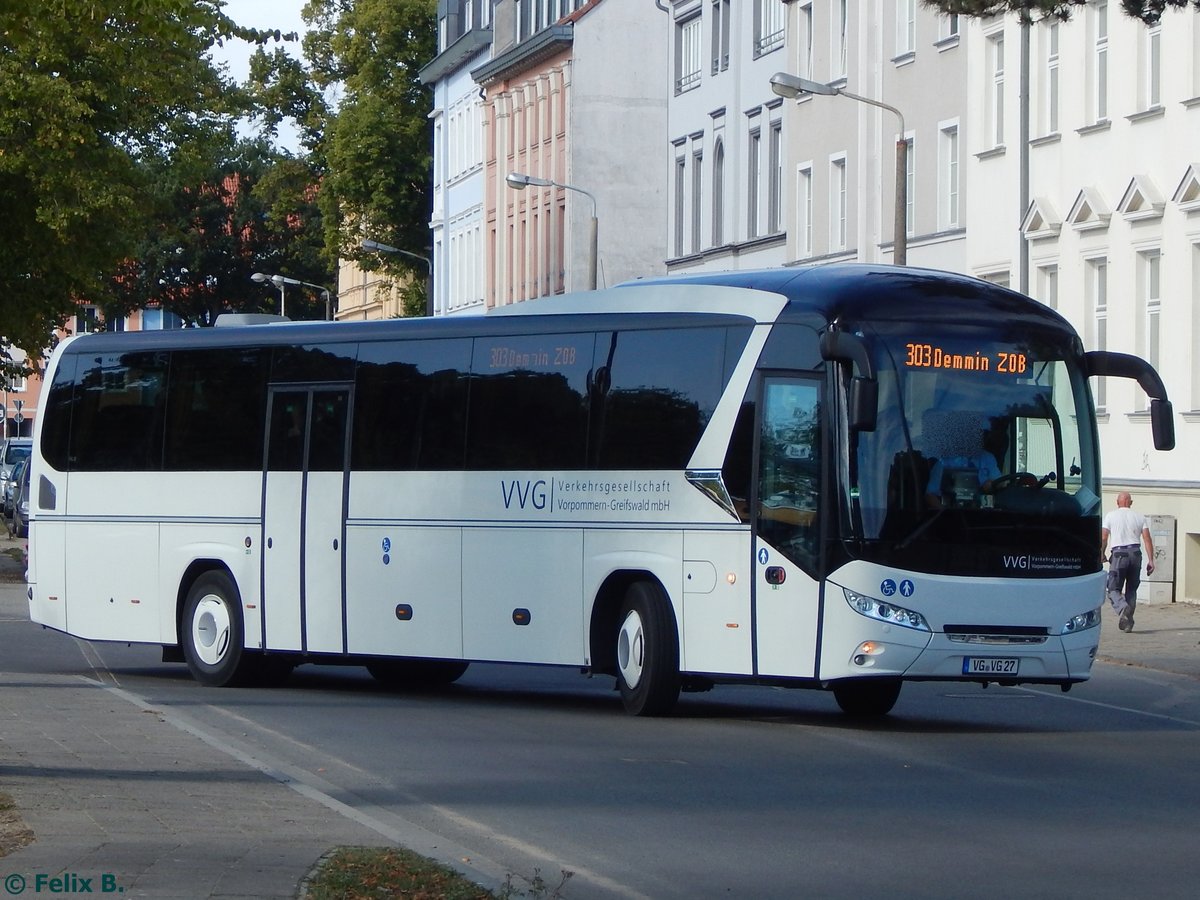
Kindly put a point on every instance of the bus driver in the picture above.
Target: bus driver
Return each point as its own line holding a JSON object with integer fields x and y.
{"x": 963, "y": 469}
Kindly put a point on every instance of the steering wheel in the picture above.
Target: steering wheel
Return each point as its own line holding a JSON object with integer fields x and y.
{"x": 1020, "y": 479}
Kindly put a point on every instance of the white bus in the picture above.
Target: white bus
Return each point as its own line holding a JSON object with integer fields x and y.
{"x": 745, "y": 477}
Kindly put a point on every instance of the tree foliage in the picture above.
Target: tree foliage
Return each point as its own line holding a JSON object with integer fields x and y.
{"x": 377, "y": 147}
{"x": 225, "y": 208}
{"x": 96, "y": 96}
{"x": 1149, "y": 11}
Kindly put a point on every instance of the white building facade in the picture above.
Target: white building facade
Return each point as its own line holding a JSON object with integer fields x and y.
{"x": 1100, "y": 218}
{"x": 457, "y": 220}
{"x": 842, "y": 153}
{"x": 724, "y": 144}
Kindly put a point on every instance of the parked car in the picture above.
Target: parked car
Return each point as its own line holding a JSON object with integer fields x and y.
{"x": 15, "y": 450}
{"x": 21, "y": 498}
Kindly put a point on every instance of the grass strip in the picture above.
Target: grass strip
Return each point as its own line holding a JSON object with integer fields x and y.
{"x": 364, "y": 873}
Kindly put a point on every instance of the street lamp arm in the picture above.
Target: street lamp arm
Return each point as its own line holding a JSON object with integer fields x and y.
{"x": 899, "y": 115}
{"x": 384, "y": 248}
{"x": 793, "y": 86}
{"x": 520, "y": 181}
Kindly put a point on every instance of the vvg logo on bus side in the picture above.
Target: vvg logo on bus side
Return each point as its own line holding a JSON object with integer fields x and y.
{"x": 525, "y": 494}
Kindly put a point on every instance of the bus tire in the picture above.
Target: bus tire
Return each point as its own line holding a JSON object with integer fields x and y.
{"x": 212, "y": 635}
{"x": 647, "y": 652}
{"x": 416, "y": 673}
{"x": 868, "y": 696}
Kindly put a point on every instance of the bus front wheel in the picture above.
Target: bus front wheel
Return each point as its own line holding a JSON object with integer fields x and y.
{"x": 647, "y": 652}
{"x": 212, "y": 631}
{"x": 867, "y": 697}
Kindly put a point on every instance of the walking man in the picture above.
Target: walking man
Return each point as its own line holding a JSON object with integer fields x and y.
{"x": 1126, "y": 532}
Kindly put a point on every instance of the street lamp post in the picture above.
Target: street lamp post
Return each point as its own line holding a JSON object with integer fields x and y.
{"x": 520, "y": 181}
{"x": 281, "y": 282}
{"x": 793, "y": 86}
{"x": 366, "y": 244}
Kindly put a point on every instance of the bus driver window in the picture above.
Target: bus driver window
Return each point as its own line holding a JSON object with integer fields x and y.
{"x": 790, "y": 469}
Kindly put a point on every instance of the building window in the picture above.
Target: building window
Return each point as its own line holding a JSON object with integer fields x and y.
{"x": 995, "y": 105}
{"x": 1196, "y": 52}
{"x": 948, "y": 178}
{"x": 838, "y": 203}
{"x": 1151, "y": 66}
{"x": 948, "y": 26}
{"x": 680, "y": 183}
{"x": 910, "y": 168}
{"x": 1151, "y": 291}
{"x": 804, "y": 42}
{"x": 718, "y": 199}
{"x": 720, "y": 35}
{"x": 1050, "y": 88}
{"x": 753, "y": 163}
{"x": 775, "y": 179}
{"x": 906, "y": 27}
{"x": 1048, "y": 285}
{"x": 697, "y": 200}
{"x": 804, "y": 211}
{"x": 1100, "y": 62}
{"x": 839, "y": 41}
{"x": 769, "y": 26}
{"x": 87, "y": 320}
{"x": 1096, "y": 289}
{"x": 687, "y": 54}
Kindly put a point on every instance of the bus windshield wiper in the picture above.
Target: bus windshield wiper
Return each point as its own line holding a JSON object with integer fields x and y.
{"x": 919, "y": 530}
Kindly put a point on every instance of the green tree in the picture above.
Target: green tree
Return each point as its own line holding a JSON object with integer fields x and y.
{"x": 377, "y": 146}
{"x": 94, "y": 94}
{"x": 1149, "y": 11}
{"x": 224, "y": 209}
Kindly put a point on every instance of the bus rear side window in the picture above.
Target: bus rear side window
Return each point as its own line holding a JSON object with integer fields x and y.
{"x": 57, "y": 409}
{"x": 411, "y": 405}
{"x": 215, "y": 409}
{"x": 117, "y": 423}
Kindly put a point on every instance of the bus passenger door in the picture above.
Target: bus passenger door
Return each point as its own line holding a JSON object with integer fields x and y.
{"x": 787, "y": 528}
{"x": 304, "y": 500}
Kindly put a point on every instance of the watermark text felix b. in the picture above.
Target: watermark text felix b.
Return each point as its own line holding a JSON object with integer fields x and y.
{"x": 66, "y": 883}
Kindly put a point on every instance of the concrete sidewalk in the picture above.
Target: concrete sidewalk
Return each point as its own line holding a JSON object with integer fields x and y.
{"x": 1165, "y": 637}
{"x": 131, "y": 799}
{"x": 125, "y": 801}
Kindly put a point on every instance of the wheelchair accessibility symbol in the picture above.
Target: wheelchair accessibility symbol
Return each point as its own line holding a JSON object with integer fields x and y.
{"x": 888, "y": 587}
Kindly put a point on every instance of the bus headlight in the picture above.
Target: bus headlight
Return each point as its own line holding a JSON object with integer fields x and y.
{"x": 885, "y": 612}
{"x": 1082, "y": 622}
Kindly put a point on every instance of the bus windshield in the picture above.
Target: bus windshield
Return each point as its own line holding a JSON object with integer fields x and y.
{"x": 983, "y": 458}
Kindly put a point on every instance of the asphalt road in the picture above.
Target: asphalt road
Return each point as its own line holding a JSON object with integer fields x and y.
{"x": 746, "y": 792}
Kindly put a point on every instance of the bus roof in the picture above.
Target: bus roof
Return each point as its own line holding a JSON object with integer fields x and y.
{"x": 853, "y": 291}
{"x": 814, "y": 295}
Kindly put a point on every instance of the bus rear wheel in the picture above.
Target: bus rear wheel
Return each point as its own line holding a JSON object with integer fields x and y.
{"x": 212, "y": 632}
{"x": 416, "y": 673}
{"x": 647, "y": 652}
{"x": 867, "y": 697}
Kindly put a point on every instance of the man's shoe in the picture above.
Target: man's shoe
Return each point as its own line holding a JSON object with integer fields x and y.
{"x": 1124, "y": 623}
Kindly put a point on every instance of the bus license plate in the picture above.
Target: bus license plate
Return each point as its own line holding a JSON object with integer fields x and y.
{"x": 990, "y": 665}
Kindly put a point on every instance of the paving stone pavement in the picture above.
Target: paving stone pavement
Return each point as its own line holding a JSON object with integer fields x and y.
{"x": 121, "y": 794}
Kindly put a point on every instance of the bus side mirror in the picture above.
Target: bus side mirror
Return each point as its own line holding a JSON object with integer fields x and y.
{"x": 1124, "y": 365}
{"x": 1162, "y": 424}
{"x": 863, "y": 403}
